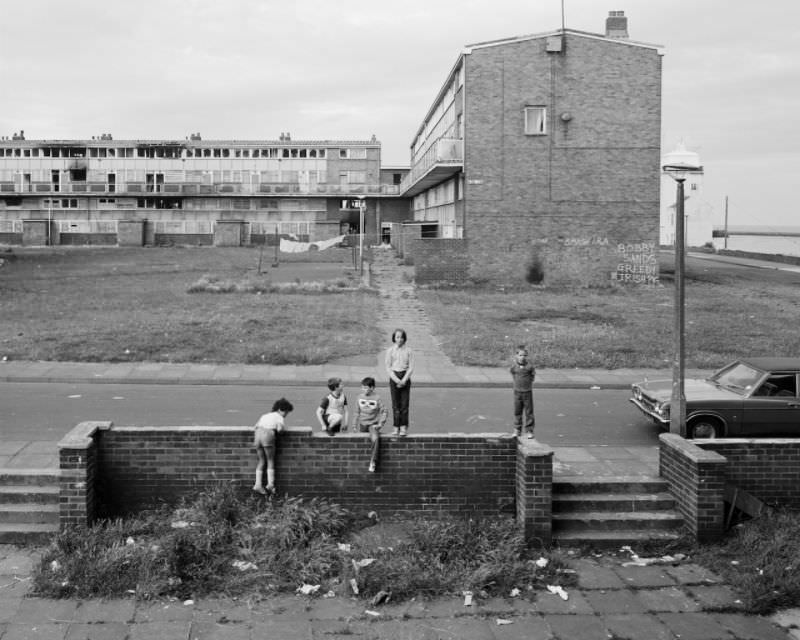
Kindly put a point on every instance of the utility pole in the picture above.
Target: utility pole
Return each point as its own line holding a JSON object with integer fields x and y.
{"x": 726, "y": 222}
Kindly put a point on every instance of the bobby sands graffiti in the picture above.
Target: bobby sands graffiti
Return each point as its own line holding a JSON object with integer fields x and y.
{"x": 638, "y": 263}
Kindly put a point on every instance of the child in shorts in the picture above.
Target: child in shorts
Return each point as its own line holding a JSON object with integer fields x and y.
{"x": 332, "y": 412}
{"x": 266, "y": 433}
{"x": 371, "y": 415}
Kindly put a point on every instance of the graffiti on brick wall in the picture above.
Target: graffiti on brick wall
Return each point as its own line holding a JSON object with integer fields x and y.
{"x": 637, "y": 263}
{"x": 588, "y": 241}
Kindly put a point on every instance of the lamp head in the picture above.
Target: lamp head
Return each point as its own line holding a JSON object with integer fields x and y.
{"x": 680, "y": 162}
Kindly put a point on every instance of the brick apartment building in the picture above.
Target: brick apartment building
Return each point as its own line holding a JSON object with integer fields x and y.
{"x": 538, "y": 161}
{"x": 192, "y": 191}
{"x": 541, "y": 154}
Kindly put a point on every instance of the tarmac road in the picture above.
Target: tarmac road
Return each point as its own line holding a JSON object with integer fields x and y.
{"x": 46, "y": 411}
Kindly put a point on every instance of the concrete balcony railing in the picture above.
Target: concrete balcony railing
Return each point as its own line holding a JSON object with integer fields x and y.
{"x": 139, "y": 189}
{"x": 447, "y": 153}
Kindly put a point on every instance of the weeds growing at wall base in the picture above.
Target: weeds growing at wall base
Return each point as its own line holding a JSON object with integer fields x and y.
{"x": 223, "y": 543}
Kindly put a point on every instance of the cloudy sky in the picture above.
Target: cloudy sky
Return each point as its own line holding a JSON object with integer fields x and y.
{"x": 347, "y": 69}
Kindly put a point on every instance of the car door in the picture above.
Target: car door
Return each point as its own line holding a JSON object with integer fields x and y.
{"x": 774, "y": 407}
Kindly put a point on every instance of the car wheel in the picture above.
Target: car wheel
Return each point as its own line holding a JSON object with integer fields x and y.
{"x": 705, "y": 428}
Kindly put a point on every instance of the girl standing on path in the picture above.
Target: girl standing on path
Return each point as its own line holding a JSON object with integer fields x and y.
{"x": 399, "y": 366}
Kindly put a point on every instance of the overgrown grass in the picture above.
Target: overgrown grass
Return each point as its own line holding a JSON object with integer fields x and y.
{"x": 760, "y": 559}
{"x": 224, "y": 543}
{"x": 150, "y": 304}
{"x": 163, "y": 305}
{"x": 624, "y": 327}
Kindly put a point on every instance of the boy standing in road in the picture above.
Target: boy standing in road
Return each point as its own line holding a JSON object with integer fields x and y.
{"x": 371, "y": 415}
{"x": 332, "y": 412}
{"x": 523, "y": 374}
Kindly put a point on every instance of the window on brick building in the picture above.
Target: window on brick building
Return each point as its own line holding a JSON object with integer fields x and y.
{"x": 535, "y": 121}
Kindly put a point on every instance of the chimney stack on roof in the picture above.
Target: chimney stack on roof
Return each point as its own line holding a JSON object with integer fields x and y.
{"x": 616, "y": 25}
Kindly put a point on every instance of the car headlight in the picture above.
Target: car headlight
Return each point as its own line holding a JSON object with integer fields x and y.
{"x": 662, "y": 408}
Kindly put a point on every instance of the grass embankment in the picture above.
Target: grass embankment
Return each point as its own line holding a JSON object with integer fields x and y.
{"x": 623, "y": 327}
{"x": 165, "y": 305}
{"x": 222, "y": 543}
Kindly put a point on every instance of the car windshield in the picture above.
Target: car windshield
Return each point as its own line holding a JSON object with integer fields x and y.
{"x": 739, "y": 378}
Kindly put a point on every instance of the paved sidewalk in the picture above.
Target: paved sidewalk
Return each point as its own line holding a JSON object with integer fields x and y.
{"x": 667, "y": 601}
{"x": 428, "y": 375}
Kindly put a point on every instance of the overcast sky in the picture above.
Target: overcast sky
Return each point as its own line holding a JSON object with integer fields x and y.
{"x": 347, "y": 69}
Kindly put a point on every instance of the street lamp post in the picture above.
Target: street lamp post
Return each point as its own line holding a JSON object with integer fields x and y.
{"x": 678, "y": 167}
{"x": 361, "y": 207}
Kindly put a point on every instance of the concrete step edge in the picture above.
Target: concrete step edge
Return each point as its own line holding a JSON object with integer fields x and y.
{"x": 12, "y": 476}
{"x": 603, "y": 516}
{"x": 29, "y": 489}
{"x": 598, "y": 497}
{"x": 27, "y": 507}
{"x": 609, "y": 539}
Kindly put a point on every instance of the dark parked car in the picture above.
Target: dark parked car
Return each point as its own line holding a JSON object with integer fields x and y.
{"x": 749, "y": 397}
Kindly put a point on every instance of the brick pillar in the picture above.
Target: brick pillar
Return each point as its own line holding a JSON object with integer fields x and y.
{"x": 697, "y": 481}
{"x": 77, "y": 453}
{"x": 535, "y": 492}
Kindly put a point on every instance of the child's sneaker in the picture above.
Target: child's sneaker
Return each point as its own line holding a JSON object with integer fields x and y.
{"x": 260, "y": 490}
{"x": 371, "y": 467}
{"x": 270, "y": 491}
{"x": 402, "y": 431}
{"x": 517, "y": 432}
{"x": 530, "y": 435}
{"x": 396, "y": 431}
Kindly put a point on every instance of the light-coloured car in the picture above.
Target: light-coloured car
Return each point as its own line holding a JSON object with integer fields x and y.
{"x": 748, "y": 398}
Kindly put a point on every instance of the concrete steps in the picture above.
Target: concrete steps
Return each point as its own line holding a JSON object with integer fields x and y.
{"x": 29, "y": 507}
{"x": 610, "y": 512}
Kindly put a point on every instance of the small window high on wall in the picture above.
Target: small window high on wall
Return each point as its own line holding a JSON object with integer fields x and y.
{"x": 535, "y": 121}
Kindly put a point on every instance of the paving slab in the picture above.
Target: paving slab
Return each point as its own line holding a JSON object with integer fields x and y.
{"x": 716, "y": 597}
{"x": 592, "y": 575}
{"x": 217, "y": 631}
{"x": 615, "y": 601}
{"x": 670, "y": 599}
{"x": 577, "y": 627}
{"x": 101, "y": 610}
{"x": 549, "y": 603}
{"x": 96, "y": 631}
{"x": 650, "y": 576}
{"x": 161, "y": 631}
{"x": 40, "y": 610}
{"x": 521, "y": 628}
{"x": 751, "y": 627}
{"x": 636, "y": 626}
{"x": 692, "y": 574}
{"x": 695, "y": 626}
{"x": 36, "y": 631}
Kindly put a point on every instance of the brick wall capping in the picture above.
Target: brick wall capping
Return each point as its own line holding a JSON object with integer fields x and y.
{"x": 534, "y": 448}
{"x": 753, "y": 441}
{"x": 689, "y": 449}
{"x": 310, "y": 431}
{"x": 81, "y": 435}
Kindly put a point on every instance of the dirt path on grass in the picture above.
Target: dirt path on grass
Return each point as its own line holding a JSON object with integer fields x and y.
{"x": 400, "y": 308}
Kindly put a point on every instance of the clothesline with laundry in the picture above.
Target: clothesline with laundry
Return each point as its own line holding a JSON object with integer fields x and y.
{"x": 294, "y": 246}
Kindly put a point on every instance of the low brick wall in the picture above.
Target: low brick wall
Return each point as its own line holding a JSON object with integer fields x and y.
{"x": 769, "y": 469}
{"x": 438, "y": 260}
{"x": 112, "y": 471}
{"x": 697, "y": 481}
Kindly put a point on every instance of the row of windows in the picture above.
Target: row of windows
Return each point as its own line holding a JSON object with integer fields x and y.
{"x": 177, "y": 203}
{"x": 177, "y": 152}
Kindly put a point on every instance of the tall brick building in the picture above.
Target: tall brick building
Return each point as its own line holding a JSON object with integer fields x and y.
{"x": 540, "y": 158}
